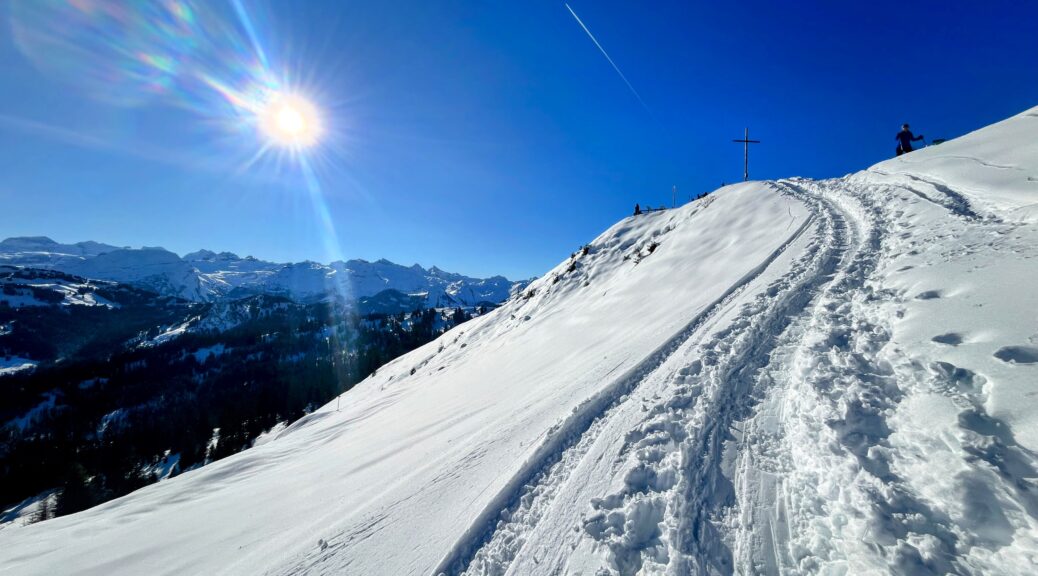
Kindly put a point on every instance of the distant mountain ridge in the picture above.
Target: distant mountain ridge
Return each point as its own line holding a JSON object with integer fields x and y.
{"x": 206, "y": 276}
{"x": 42, "y": 252}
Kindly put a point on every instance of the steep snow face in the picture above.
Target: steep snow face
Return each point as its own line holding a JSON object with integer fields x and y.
{"x": 800, "y": 376}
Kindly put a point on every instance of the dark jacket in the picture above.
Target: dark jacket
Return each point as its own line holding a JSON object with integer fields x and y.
{"x": 905, "y": 139}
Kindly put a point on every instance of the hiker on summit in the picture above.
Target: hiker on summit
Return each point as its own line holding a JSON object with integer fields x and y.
{"x": 905, "y": 139}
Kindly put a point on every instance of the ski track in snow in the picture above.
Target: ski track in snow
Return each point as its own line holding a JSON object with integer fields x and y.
{"x": 696, "y": 440}
{"x": 763, "y": 446}
{"x": 954, "y": 201}
{"x": 856, "y": 400}
{"x": 568, "y": 441}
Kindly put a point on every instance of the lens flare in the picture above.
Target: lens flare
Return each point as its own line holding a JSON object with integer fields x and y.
{"x": 211, "y": 58}
{"x": 130, "y": 53}
{"x": 290, "y": 120}
{"x": 220, "y": 61}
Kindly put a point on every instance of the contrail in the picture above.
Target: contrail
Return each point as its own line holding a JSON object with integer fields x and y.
{"x": 611, "y": 63}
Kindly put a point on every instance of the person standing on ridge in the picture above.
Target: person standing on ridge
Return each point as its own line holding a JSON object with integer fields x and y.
{"x": 904, "y": 140}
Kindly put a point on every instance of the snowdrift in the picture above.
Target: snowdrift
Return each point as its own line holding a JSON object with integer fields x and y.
{"x": 795, "y": 376}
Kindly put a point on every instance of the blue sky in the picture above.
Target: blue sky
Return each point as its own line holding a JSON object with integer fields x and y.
{"x": 493, "y": 137}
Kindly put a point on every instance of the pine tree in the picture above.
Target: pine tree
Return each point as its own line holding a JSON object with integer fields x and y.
{"x": 77, "y": 493}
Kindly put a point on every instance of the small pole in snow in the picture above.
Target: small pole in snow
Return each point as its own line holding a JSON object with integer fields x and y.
{"x": 674, "y": 197}
{"x": 746, "y": 154}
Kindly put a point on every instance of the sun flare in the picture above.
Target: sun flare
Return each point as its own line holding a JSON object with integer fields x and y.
{"x": 290, "y": 120}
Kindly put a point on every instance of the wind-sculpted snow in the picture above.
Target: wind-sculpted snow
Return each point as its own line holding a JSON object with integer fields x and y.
{"x": 795, "y": 377}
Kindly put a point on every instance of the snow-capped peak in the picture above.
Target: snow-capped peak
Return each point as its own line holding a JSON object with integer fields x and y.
{"x": 206, "y": 275}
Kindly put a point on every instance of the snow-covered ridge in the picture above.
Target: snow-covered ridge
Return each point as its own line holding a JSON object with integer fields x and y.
{"x": 42, "y": 252}
{"x": 791, "y": 377}
{"x": 21, "y": 287}
{"x": 206, "y": 276}
{"x": 992, "y": 169}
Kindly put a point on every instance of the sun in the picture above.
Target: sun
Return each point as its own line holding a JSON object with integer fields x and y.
{"x": 291, "y": 121}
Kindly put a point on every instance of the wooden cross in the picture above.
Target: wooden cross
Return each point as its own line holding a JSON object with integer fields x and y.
{"x": 746, "y": 154}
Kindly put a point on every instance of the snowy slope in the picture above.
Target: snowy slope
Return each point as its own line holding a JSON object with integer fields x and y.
{"x": 21, "y": 287}
{"x": 993, "y": 168}
{"x": 784, "y": 377}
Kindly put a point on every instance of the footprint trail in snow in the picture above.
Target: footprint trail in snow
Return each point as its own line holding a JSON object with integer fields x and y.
{"x": 784, "y": 430}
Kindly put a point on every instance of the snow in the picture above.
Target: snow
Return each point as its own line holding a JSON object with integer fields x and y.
{"x": 90, "y": 383}
{"x": 29, "y": 510}
{"x": 205, "y": 276}
{"x": 800, "y": 376}
{"x": 73, "y": 296}
{"x": 29, "y": 418}
{"x": 214, "y": 351}
{"x": 993, "y": 167}
{"x": 164, "y": 468}
{"x": 42, "y": 252}
{"x": 218, "y": 317}
{"x": 270, "y": 435}
{"x": 442, "y": 289}
{"x": 154, "y": 269}
{"x": 169, "y": 334}
{"x": 19, "y": 284}
{"x": 113, "y": 418}
{"x": 21, "y": 299}
{"x": 12, "y": 364}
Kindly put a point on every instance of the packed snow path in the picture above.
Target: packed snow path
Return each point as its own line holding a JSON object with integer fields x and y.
{"x": 663, "y": 437}
{"x": 795, "y": 377}
{"x": 757, "y": 448}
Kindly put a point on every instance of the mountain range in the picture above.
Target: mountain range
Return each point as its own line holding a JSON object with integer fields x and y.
{"x": 207, "y": 276}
